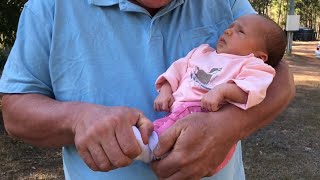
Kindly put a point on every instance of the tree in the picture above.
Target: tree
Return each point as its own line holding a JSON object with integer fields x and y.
{"x": 9, "y": 16}
{"x": 261, "y": 6}
{"x": 309, "y": 11}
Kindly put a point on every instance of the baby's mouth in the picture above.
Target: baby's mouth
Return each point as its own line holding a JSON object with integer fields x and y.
{"x": 222, "y": 40}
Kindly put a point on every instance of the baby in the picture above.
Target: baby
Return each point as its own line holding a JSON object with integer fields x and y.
{"x": 239, "y": 72}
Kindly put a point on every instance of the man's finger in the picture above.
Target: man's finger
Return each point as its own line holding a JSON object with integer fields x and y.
{"x": 87, "y": 158}
{"x": 183, "y": 174}
{"x": 126, "y": 140}
{"x": 167, "y": 141}
{"x": 145, "y": 127}
{"x": 115, "y": 153}
{"x": 167, "y": 166}
{"x": 174, "y": 160}
{"x": 100, "y": 158}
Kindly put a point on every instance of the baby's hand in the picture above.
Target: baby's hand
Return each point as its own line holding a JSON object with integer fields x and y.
{"x": 163, "y": 102}
{"x": 212, "y": 100}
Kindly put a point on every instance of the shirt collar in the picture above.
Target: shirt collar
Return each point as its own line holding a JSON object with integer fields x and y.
{"x": 125, "y": 5}
{"x": 103, "y": 2}
{"x": 113, "y": 2}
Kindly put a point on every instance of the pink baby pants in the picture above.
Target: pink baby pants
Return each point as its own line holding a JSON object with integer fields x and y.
{"x": 162, "y": 124}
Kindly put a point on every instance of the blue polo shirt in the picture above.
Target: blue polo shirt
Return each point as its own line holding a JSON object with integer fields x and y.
{"x": 110, "y": 52}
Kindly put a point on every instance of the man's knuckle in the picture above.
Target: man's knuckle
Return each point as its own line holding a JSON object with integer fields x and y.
{"x": 182, "y": 161}
{"x": 161, "y": 173}
{"x": 80, "y": 145}
{"x": 104, "y": 166}
{"x": 121, "y": 162}
{"x": 189, "y": 173}
{"x": 81, "y": 149}
{"x": 112, "y": 119}
{"x": 130, "y": 150}
{"x": 99, "y": 130}
{"x": 92, "y": 167}
{"x": 90, "y": 163}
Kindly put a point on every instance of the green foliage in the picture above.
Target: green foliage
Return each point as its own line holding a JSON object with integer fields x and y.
{"x": 261, "y": 6}
{"x": 3, "y": 57}
{"x": 9, "y": 16}
{"x": 309, "y": 11}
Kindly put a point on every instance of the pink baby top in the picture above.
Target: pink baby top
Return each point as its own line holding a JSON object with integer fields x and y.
{"x": 203, "y": 68}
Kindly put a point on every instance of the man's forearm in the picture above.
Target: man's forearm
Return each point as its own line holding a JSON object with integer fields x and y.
{"x": 38, "y": 120}
{"x": 239, "y": 124}
{"x": 279, "y": 95}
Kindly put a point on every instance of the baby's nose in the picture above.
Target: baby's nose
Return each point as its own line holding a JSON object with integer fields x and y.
{"x": 228, "y": 31}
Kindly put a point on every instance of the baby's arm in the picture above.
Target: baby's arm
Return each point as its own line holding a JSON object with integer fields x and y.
{"x": 168, "y": 82}
{"x": 164, "y": 100}
{"x": 213, "y": 99}
{"x": 247, "y": 89}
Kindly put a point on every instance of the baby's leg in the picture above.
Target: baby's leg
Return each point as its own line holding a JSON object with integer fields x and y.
{"x": 147, "y": 150}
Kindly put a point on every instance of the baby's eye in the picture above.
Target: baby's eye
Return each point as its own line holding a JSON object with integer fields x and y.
{"x": 241, "y": 31}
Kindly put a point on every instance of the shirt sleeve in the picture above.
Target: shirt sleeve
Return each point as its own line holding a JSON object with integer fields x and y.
{"x": 240, "y": 8}
{"x": 254, "y": 78}
{"x": 27, "y": 69}
{"x": 175, "y": 72}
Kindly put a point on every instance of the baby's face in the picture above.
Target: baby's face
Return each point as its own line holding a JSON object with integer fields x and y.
{"x": 243, "y": 37}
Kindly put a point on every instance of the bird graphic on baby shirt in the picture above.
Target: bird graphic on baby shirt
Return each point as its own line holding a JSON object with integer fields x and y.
{"x": 203, "y": 78}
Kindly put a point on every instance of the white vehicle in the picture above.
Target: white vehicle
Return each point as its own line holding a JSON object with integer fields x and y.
{"x": 317, "y": 51}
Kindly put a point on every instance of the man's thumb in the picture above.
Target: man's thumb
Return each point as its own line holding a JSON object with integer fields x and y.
{"x": 145, "y": 127}
{"x": 167, "y": 141}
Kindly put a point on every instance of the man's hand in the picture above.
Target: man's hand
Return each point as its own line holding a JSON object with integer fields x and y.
{"x": 104, "y": 136}
{"x": 196, "y": 145}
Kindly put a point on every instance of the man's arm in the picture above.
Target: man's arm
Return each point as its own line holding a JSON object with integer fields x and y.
{"x": 38, "y": 120}
{"x": 280, "y": 93}
{"x": 99, "y": 133}
{"x": 212, "y": 135}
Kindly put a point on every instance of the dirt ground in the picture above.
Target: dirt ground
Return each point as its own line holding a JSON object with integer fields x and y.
{"x": 287, "y": 149}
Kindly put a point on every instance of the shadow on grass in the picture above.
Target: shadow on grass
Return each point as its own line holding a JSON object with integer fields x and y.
{"x": 22, "y": 161}
{"x": 289, "y": 148}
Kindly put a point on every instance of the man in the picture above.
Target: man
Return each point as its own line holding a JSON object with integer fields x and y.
{"x": 79, "y": 69}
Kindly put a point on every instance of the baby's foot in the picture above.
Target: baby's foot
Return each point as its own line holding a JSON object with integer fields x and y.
{"x": 147, "y": 150}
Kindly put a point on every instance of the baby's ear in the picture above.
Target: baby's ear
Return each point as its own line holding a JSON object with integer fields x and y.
{"x": 262, "y": 55}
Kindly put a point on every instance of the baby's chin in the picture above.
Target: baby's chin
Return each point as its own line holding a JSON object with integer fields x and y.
{"x": 221, "y": 50}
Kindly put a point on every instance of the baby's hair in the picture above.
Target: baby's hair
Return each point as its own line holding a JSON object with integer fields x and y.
{"x": 275, "y": 41}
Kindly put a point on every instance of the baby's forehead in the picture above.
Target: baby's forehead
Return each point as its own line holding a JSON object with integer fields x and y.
{"x": 254, "y": 24}
{"x": 250, "y": 21}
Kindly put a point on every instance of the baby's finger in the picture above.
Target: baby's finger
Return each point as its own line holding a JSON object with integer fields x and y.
{"x": 171, "y": 102}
